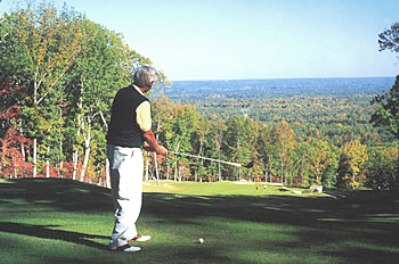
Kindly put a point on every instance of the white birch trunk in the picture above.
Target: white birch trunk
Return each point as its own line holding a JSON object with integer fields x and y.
{"x": 34, "y": 158}
{"x": 15, "y": 169}
{"x": 48, "y": 163}
{"x": 23, "y": 152}
{"x": 85, "y": 160}
{"x": 75, "y": 164}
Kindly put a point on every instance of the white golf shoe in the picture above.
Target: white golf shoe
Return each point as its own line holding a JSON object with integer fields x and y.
{"x": 140, "y": 238}
{"x": 125, "y": 248}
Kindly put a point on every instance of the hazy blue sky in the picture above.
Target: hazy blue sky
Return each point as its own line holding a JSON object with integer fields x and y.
{"x": 242, "y": 39}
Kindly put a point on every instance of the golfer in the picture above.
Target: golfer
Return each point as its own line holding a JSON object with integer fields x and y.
{"x": 130, "y": 127}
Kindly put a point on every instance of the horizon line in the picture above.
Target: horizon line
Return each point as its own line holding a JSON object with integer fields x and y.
{"x": 280, "y": 78}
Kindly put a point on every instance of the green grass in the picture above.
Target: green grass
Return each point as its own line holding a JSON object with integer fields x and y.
{"x": 59, "y": 221}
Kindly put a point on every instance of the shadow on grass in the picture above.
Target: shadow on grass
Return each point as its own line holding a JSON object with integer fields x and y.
{"x": 359, "y": 227}
{"x": 366, "y": 208}
{"x": 45, "y": 231}
{"x": 57, "y": 194}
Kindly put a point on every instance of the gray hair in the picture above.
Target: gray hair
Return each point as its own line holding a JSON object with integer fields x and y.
{"x": 145, "y": 76}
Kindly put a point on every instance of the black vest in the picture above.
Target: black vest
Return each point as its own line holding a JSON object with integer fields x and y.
{"x": 123, "y": 129}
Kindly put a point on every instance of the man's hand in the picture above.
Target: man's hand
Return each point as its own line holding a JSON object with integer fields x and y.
{"x": 161, "y": 150}
{"x": 151, "y": 144}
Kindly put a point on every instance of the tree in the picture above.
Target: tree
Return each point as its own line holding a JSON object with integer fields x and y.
{"x": 101, "y": 69}
{"x": 302, "y": 163}
{"x": 389, "y": 39}
{"x": 323, "y": 163}
{"x": 59, "y": 71}
{"x": 239, "y": 141}
{"x": 387, "y": 113}
{"x": 353, "y": 157}
{"x": 381, "y": 169}
{"x": 283, "y": 138}
{"x": 264, "y": 150}
{"x": 42, "y": 46}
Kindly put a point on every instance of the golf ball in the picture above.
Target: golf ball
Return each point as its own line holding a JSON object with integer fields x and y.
{"x": 201, "y": 240}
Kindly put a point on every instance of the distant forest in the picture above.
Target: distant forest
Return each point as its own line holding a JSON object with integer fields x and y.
{"x": 274, "y": 88}
{"x": 338, "y": 108}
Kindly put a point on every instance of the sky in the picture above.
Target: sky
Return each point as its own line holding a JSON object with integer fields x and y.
{"x": 251, "y": 39}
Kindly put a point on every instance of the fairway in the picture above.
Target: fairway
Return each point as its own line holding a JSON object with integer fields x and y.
{"x": 60, "y": 221}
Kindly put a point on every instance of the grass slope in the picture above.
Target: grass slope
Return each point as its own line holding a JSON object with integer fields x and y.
{"x": 58, "y": 221}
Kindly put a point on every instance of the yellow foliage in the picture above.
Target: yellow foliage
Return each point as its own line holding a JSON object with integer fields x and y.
{"x": 355, "y": 155}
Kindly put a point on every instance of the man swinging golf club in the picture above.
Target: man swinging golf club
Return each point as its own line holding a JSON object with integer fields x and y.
{"x": 129, "y": 128}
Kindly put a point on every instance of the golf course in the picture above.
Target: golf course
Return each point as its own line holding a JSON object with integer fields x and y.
{"x": 64, "y": 221}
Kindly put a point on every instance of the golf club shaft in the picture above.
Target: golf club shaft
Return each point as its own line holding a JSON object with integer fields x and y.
{"x": 205, "y": 158}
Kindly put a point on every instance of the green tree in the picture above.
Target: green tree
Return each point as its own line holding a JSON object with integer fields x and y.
{"x": 100, "y": 70}
{"x": 239, "y": 141}
{"x": 264, "y": 150}
{"x": 302, "y": 162}
{"x": 381, "y": 168}
{"x": 389, "y": 39}
{"x": 387, "y": 113}
{"x": 214, "y": 147}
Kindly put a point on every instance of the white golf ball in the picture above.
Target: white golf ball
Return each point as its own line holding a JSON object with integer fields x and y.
{"x": 201, "y": 240}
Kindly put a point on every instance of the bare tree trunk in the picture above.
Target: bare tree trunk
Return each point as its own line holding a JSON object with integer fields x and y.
{"x": 282, "y": 165}
{"x": 75, "y": 164}
{"x": 179, "y": 170}
{"x": 87, "y": 139}
{"x": 34, "y": 157}
{"x": 176, "y": 172}
{"x": 48, "y": 163}
{"x": 23, "y": 152}
{"x": 85, "y": 160}
{"x": 15, "y": 168}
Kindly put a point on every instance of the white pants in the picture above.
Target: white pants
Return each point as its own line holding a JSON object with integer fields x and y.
{"x": 126, "y": 168}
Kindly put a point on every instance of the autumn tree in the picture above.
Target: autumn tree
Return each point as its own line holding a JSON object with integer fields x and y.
{"x": 352, "y": 161}
{"x": 42, "y": 45}
{"x": 283, "y": 138}
{"x": 324, "y": 163}
{"x": 61, "y": 71}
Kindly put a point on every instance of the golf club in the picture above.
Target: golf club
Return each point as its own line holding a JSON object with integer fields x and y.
{"x": 250, "y": 164}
